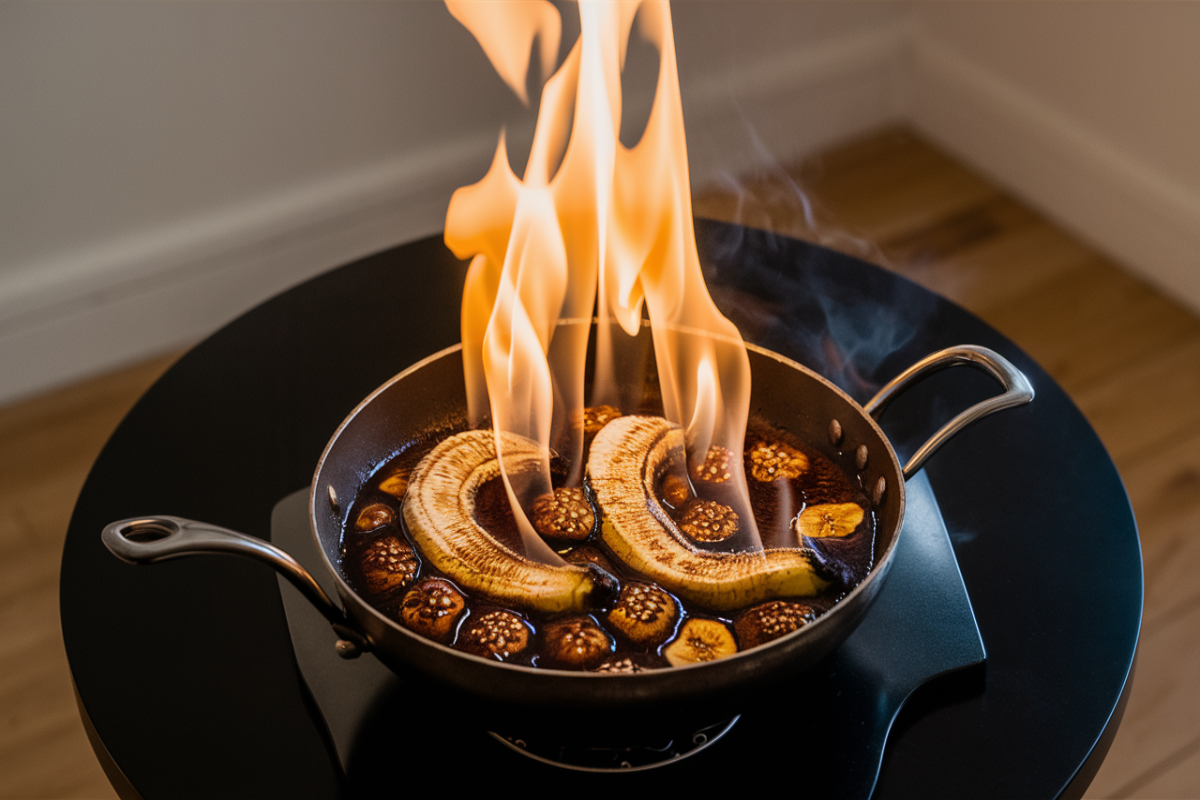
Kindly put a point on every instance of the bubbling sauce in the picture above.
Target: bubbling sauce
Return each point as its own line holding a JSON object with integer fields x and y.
{"x": 801, "y": 500}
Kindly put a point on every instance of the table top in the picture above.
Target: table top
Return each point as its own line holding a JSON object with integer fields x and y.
{"x": 185, "y": 672}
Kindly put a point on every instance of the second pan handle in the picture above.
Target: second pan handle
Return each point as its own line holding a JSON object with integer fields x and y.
{"x": 1017, "y": 391}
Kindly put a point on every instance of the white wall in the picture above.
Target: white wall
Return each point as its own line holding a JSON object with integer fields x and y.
{"x": 165, "y": 166}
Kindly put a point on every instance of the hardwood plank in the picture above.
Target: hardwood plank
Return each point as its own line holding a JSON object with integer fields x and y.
{"x": 855, "y": 197}
{"x": 51, "y": 441}
{"x": 1165, "y": 491}
{"x": 38, "y": 508}
{"x": 997, "y": 255}
{"x": 43, "y": 749}
{"x": 15, "y": 532}
{"x": 110, "y": 393}
{"x": 982, "y": 223}
{"x": 1163, "y": 715}
{"x": 24, "y": 574}
{"x": 73, "y": 772}
{"x": 49, "y": 444}
{"x": 903, "y": 186}
{"x": 1148, "y": 405}
{"x": 993, "y": 272}
{"x": 1091, "y": 323}
{"x": 1177, "y": 778}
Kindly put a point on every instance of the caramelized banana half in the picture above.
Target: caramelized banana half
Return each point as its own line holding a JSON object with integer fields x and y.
{"x": 626, "y": 459}
{"x": 439, "y": 510}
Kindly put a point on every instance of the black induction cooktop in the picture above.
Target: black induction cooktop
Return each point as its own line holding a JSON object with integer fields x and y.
{"x": 186, "y": 672}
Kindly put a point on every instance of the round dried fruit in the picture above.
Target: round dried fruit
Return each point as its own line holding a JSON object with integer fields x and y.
{"x": 700, "y": 640}
{"x": 676, "y": 490}
{"x": 596, "y": 417}
{"x": 563, "y": 514}
{"x": 770, "y": 461}
{"x": 396, "y": 482}
{"x": 577, "y": 643}
{"x": 586, "y": 554}
{"x": 716, "y": 466}
{"x": 626, "y": 666}
{"x": 644, "y": 614}
{"x": 431, "y": 608}
{"x": 498, "y": 634}
{"x": 388, "y": 564}
{"x": 829, "y": 519}
{"x": 374, "y": 517}
{"x": 763, "y": 623}
{"x": 709, "y": 521}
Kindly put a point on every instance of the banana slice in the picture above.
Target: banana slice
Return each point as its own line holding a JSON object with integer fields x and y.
{"x": 700, "y": 640}
{"x": 626, "y": 460}
{"x": 830, "y": 519}
{"x": 439, "y": 510}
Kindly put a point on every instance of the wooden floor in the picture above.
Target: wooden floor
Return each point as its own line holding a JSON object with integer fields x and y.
{"x": 1129, "y": 357}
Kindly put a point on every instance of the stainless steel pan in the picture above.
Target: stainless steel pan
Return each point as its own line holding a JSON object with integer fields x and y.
{"x": 586, "y": 707}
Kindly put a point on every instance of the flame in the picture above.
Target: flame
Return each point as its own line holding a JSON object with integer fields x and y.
{"x": 609, "y": 230}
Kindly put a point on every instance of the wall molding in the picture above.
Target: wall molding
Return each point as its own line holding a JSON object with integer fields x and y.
{"x": 1103, "y": 193}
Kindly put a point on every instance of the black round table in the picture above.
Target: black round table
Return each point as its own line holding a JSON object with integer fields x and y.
{"x": 186, "y": 675}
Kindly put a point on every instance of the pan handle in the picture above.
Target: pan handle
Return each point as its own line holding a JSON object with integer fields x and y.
{"x": 1017, "y": 391}
{"x": 145, "y": 540}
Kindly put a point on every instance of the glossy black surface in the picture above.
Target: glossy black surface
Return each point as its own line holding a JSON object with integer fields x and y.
{"x": 186, "y": 669}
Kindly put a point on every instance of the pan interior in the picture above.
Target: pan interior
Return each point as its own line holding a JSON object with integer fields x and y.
{"x": 428, "y": 401}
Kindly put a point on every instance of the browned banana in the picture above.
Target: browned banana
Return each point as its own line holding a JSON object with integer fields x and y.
{"x": 439, "y": 510}
{"x": 626, "y": 460}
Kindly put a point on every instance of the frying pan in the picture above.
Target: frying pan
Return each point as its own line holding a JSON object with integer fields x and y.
{"x": 582, "y": 707}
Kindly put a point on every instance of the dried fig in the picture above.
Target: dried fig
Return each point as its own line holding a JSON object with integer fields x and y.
{"x": 675, "y": 489}
{"x": 596, "y": 417}
{"x": 587, "y": 554}
{"x": 770, "y": 461}
{"x": 498, "y": 634}
{"x": 396, "y": 482}
{"x": 576, "y": 643}
{"x": 388, "y": 564}
{"x": 374, "y": 517}
{"x": 431, "y": 608}
{"x": 709, "y": 521}
{"x": 626, "y": 666}
{"x": 563, "y": 514}
{"x": 763, "y": 623}
{"x": 644, "y": 614}
{"x": 716, "y": 467}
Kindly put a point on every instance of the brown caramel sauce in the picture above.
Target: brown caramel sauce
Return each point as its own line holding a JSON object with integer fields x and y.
{"x": 845, "y": 561}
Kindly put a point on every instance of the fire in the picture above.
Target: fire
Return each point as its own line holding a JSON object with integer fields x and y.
{"x": 593, "y": 226}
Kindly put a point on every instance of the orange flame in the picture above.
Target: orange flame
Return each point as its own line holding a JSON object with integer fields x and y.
{"x": 611, "y": 227}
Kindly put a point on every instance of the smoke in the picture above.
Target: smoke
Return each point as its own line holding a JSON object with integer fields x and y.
{"x": 838, "y": 315}
{"x": 787, "y": 295}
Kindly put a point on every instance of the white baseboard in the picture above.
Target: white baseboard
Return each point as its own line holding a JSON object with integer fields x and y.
{"x": 73, "y": 337}
{"x": 154, "y": 290}
{"x": 160, "y": 289}
{"x": 1104, "y": 194}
